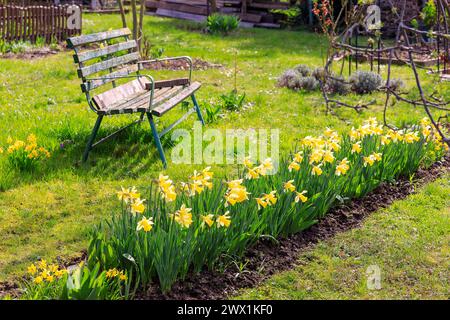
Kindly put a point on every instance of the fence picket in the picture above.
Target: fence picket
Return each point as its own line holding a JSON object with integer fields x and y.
{"x": 27, "y": 23}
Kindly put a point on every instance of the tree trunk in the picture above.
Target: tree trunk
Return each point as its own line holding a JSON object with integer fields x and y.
{"x": 141, "y": 24}
{"x": 134, "y": 14}
{"x": 122, "y": 13}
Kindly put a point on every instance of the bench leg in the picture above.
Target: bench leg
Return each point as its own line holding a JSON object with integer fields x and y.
{"x": 92, "y": 138}
{"x": 157, "y": 139}
{"x": 197, "y": 109}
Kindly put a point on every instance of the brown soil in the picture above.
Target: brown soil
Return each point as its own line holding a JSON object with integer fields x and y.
{"x": 280, "y": 256}
{"x": 197, "y": 64}
{"x": 32, "y": 54}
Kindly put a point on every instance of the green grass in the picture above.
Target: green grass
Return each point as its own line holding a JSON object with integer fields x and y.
{"x": 49, "y": 212}
{"x": 409, "y": 241}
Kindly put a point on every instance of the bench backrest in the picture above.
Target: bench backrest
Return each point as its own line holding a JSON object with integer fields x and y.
{"x": 102, "y": 56}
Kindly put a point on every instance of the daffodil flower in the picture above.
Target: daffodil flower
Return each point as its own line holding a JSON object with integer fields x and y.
{"x": 145, "y": 224}
{"x": 224, "y": 220}
{"x": 300, "y": 196}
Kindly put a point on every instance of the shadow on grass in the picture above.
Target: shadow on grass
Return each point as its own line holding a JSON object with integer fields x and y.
{"x": 126, "y": 155}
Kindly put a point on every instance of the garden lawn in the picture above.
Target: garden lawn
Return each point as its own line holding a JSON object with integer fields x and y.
{"x": 49, "y": 212}
{"x": 409, "y": 241}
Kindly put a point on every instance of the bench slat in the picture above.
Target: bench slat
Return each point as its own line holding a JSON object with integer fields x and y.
{"x": 97, "y": 37}
{"x": 92, "y": 84}
{"x": 172, "y": 102}
{"x": 168, "y": 83}
{"x": 92, "y": 54}
{"x": 111, "y": 63}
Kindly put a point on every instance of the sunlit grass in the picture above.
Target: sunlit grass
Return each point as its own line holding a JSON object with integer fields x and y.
{"x": 57, "y": 204}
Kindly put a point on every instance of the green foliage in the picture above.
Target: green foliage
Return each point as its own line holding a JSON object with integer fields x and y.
{"x": 181, "y": 239}
{"x": 25, "y": 155}
{"x": 429, "y": 14}
{"x": 48, "y": 282}
{"x": 232, "y": 101}
{"x": 289, "y": 17}
{"x": 212, "y": 113}
{"x": 223, "y": 24}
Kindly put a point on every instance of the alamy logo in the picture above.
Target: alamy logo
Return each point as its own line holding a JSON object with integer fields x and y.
{"x": 74, "y": 19}
{"x": 373, "y": 274}
{"x": 373, "y": 18}
{"x": 213, "y": 146}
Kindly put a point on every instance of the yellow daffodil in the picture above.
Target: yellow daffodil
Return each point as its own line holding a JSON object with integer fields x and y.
{"x": 316, "y": 170}
{"x": 268, "y": 165}
{"x": 128, "y": 194}
{"x": 298, "y": 157}
{"x": 342, "y": 167}
{"x": 207, "y": 174}
{"x": 300, "y": 196}
{"x": 137, "y": 206}
{"x": 316, "y": 156}
{"x": 289, "y": 186}
{"x": 328, "y": 156}
{"x": 385, "y": 140}
{"x": 183, "y": 216}
{"x": 261, "y": 203}
{"x": 164, "y": 182}
{"x": 294, "y": 166}
{"x": 234, "y": 183}
{"x": 252, "y": 174}
{"x": 224, "y": 220}
{"x": 207, "y": 219}
{"x": 426, "y": 131}
{"x": 411, "y": 137}
{"x": 270, "y": 197}
{"x": 356, "y": 147}
{"x": 122, "y": 276}
{"x": 38, "y": 280}
{"x": 9, "y": 140}
{"x": 169, "y": 193}
{"x": 248, "y": 163}
{"x": 145, "y": 224}
{"x": 32, "y": 269}
{"x": 354, "y": 134}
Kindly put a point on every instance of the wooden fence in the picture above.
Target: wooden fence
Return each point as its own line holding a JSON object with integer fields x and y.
{"x": 33, "y": 22}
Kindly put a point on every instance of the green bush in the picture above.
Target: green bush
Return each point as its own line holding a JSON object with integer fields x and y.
{"x": 223, "y": 24}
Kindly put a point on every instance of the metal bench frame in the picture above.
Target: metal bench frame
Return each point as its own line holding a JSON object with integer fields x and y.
{"x": 88, "y": 84}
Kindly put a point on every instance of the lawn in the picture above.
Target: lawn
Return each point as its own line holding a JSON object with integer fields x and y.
{"x": 48, "y": 213}
{"x": 408, "y": 241}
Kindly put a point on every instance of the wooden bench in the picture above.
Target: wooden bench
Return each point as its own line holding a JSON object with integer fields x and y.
{"x": 104, "y": 58}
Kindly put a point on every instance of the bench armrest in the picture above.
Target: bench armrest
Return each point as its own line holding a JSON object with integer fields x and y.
{"x": 148, "y": 87}
{"x": 186, "y": 58}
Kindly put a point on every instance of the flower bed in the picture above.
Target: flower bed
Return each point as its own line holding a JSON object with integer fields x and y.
{"x": 188, "y": 226}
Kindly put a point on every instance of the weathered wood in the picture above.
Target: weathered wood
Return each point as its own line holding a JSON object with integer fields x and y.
{"x": 188, "y": 8}
{"x": 107, "y": 64}
{"x": 168, "y": 83}
{"x": 172, "y": 102}
{"x": 97, "y": 37}
{"x": 93, "y": 84}
{"x": 180, "y": 15}
{"x": 92, "y": 54}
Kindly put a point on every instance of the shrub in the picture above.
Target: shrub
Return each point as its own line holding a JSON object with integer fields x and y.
{"x": 338, "y": 85}
{"x": 187, "y": 226}
{"x": 307, "y": 83}
{"x": 319, "y": 74}
{"x": 365, "y": 81}
{"x": 25, "y": 155}
{"x": 303, "y": 70}
{"x": 289, "y": 76}
{"x": 396, "y": 84}
{"x": 223, "y": 24}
